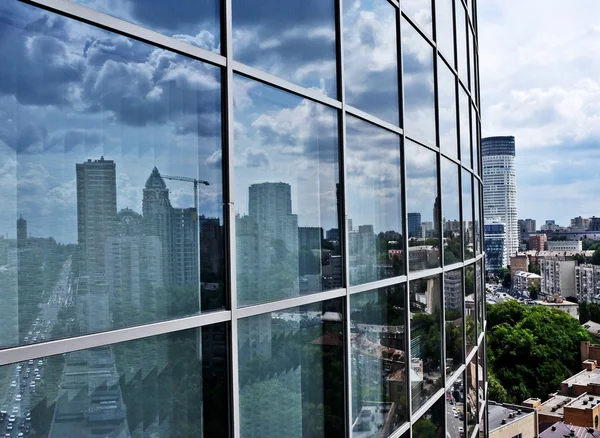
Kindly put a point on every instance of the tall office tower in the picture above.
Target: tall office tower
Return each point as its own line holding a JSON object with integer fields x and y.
{"x": 21, "y": 229}
{"x": 500, "y": 187}
{"x": 96, "y": 212}
{"x": 414, "y": 224}
{"x": 211, "y": 250}
{"x": 185, "y": 263}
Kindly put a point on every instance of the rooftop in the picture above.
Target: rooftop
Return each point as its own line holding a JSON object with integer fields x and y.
{"x": 510, "y": 413}
{"x": 563, "y": 304}
{"x": 561, "y": 430}
{"x": 555, "y": 405}
{"x": 584, "y": 401}
{"x": 584, "y": 378}
{"x": 593, "y": 328}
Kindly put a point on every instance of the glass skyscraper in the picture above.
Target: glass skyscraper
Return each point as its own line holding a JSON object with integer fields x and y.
{"x": 241, "y": 218}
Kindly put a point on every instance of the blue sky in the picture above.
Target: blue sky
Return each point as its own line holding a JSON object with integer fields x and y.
{"x": 540, "y": 81}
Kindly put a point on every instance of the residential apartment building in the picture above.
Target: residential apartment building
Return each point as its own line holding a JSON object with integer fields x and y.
{"x": 558, "y": 277}
{"x": 537, "y": 242}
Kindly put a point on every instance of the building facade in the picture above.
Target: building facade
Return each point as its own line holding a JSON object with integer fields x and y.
{"x": 537, "y": 242}
{"x": 500, "y": 187}
{"x": 564, "y": 245}
{"x": 314, "y": 230}
{"x": 494, "y": 246}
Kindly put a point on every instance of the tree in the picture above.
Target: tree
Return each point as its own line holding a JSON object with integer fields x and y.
{"x": 534, "y": 291}
{"x": 532, "y": 349}
{"x": 596, "y": 257}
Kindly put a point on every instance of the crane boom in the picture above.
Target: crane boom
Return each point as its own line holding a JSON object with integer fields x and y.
{"x": 192, "y": 180}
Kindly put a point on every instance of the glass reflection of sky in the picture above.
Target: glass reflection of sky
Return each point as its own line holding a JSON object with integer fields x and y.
{"x": 69, "y": 92}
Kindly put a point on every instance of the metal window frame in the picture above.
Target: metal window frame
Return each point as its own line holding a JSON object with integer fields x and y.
{"x": 230, "y": 67}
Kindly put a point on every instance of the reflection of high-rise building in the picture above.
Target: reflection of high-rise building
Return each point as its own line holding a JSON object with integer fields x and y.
{"x": 453, "y": 289}
{"x": 414, "y": 224}
{"x": 500, "y": 187}
{"x": 212, "y": 256}
{"x": 494, "y": 245}
{"x": 96, "y": 212}
{"x": 21, "y": 229}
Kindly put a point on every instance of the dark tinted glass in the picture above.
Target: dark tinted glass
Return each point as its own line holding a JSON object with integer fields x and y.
{"x": 418, "y": 83}
{"x": 431, "y": 423}
{"x": 455, "y": 410}
{"x": 451, "y": 225}
{"x": 92, "y": 123}
{"x": 292, "y": 40}
{"x": 161, "y": 386}
{"x": 419, "y": 11}
{"x": 445, "y": 29}
{"x": 292, "y": 372}
{"x": 423, "y": 206}
{"x": 470, "y": 318}
{"x": 467, "y": 211}
{"x": 425, "y": 339}
{"x": 371, "y": 58}
{"x": 461, "y": 42}
{"x": 378, "y": 363}
{"x": 465, "y": 127}
{"x": 471, "y": 396}
{"x": 454, "y": 315}
{"x": 373, "y": 202}
{"x": 286, "y": 185}
{"x": 196, "y": 22}
{"x": 447, "y": 110}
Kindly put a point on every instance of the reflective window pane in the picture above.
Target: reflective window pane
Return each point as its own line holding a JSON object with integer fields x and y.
{"x": 475, "y": 140}
{"x": 371, "y": 58}
{"x": 287, "y": 194}
{"x": 425, "y": 339}
{"x": 419, "y": 101}
{"x": 423, "y": 206}
{"x": 451, "y": 225}
{"x": 419, "y": 11}
{"x": 91, "y": 125}
{"x": 444, "y": 16}
{"x": 453, "y": 303}
{"x": 455, "y": 410}
{"x": 461, "y": 42}
{"x": 465, "y": 127}
{"x": 472, "y": 82}
{"x": 481, "y": 376}
{"x": 161, "y": 386}
{"x": 291, "y": 372}
{"x": 479, "y": 296}
{"x": 477, "y": 217}
{"x": 471, "y": 396}
{"x": 447, "y": 110}
{"x": 470, "y": 308}
{"x": 467, "y": 211}
{"x": 294, "y": 41}
{"x": 373, "y": 202}
{"x": 378, "y": 361}
{"x": 195, "y": 22}
{"x": 431, "y": 423}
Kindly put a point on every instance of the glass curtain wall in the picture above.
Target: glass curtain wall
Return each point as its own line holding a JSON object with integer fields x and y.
{"x": 240, "y": 218}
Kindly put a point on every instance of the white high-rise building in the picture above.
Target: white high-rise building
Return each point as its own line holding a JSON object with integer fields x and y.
{"x": 500, "y": 187}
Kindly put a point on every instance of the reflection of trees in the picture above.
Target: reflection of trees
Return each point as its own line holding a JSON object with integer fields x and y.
{"x": 430, "y": 425}
{"x": 452, "y": 249}
{"x": 299, "y": 390}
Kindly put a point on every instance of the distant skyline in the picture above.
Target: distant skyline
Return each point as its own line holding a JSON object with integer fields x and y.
{"x": 539, "y": 61}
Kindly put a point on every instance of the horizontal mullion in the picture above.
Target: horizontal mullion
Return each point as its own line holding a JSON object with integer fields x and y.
{"x": 67, "y": 345}
{"x": 372, "y": 119}
{"x": 302, "y": 300}
{"x": 108, "y": 22}
{"x": 417, "y": 275}
{"x": 376, "y": 284}
{"x": 269, "y": 79}
{"x": 432, "y": 400}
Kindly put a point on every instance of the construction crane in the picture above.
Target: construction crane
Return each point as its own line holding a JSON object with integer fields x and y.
{"x": 191, "y": 180}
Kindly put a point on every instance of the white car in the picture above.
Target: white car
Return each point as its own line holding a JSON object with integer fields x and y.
{"x": 13, "y": 384}
{"x": 18, "y": 397}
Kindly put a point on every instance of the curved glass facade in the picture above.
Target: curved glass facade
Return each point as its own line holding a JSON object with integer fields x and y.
{"x": 240, "y": 218}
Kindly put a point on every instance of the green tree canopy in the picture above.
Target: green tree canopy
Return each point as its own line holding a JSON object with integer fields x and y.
{"x": 531, "y": 350}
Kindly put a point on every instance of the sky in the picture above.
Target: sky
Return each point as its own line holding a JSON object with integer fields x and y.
{"x": 540, "y": 81}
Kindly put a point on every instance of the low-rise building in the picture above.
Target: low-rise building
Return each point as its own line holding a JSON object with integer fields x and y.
{"x": 561, "y": 430}
{"x": 593, "y": 328}
{"x": 537, "y": 242}
{"x": 508, "y": 421}
{"x": 564, "y": 245}
{"x": 556, "y": 302}
{"x": 522, "y": 280}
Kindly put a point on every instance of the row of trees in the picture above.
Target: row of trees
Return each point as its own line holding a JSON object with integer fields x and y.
{"x": 531, "y": 350}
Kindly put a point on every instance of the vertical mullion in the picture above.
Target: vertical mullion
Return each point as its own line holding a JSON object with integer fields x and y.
{"x": 342, "y": 216}
{"x": 231, "y": 242}
{"x": 404, "y": 222}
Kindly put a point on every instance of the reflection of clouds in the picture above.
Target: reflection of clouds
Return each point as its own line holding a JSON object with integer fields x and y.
{"x": 419, "y": 112}
{"x": 373, "y": 176}
{"x": 445, "y": 28}
{"x": 420, "y": 12}
{"x": 421, "y": 180}
{"x": 370, "y": 58}
{"x": 69, "y": 92}
{"x": 450, "y": 189}
{"x": 193, "y": 21}
{"x": 447, "y": 110}
{"x": 291, "y": 40}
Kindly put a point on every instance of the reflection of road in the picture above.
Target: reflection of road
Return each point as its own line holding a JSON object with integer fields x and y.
{"x": 454, "y": 423}
{"x": 27, "y": 377}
